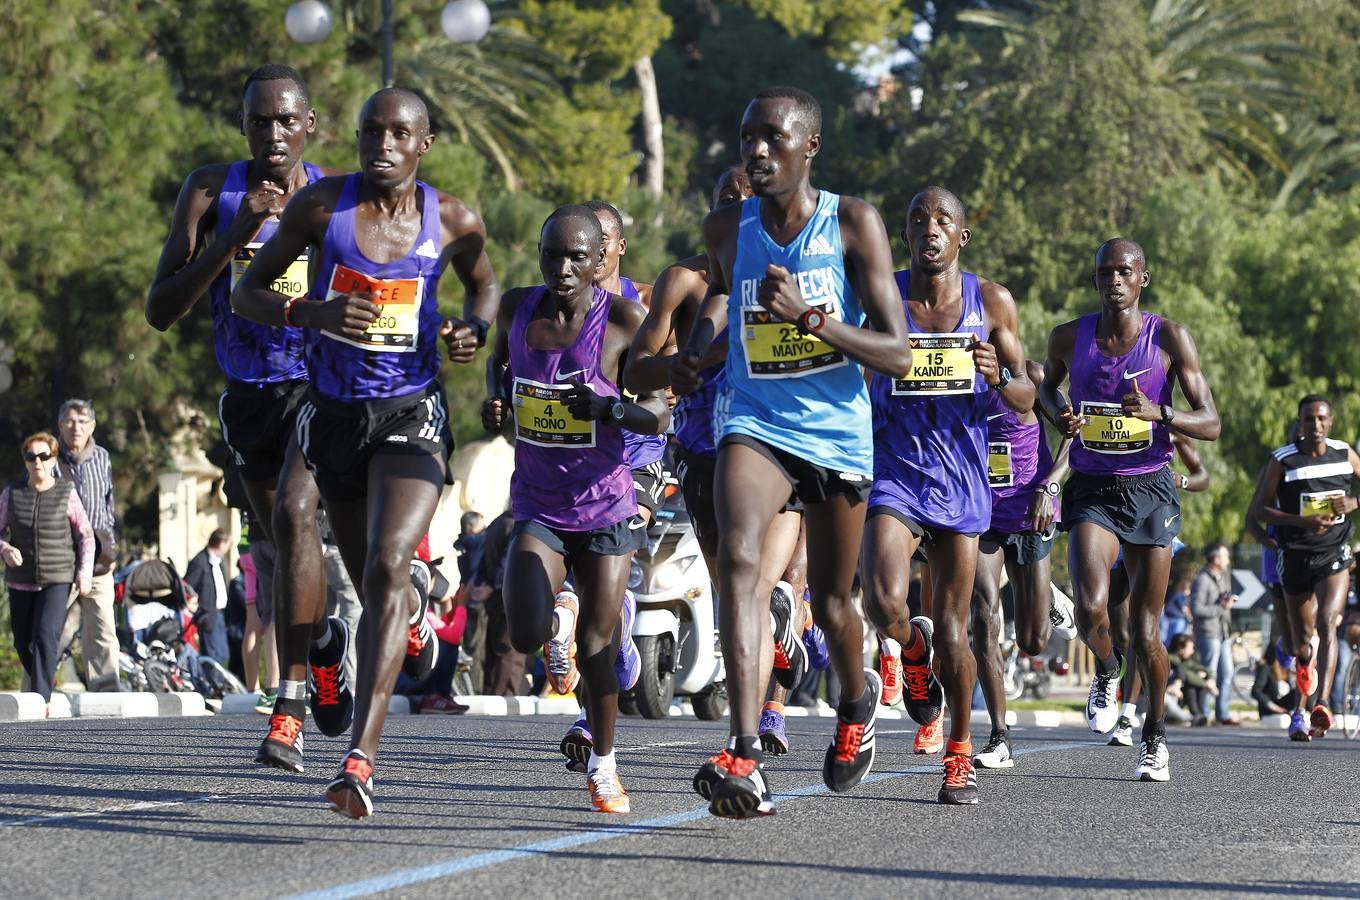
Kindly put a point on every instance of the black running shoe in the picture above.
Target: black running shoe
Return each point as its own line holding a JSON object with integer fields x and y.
{"x": 282, "y": 747}
{"x": 960, "y": 781}
{"x": 331, "y": 700}
{"x": 743, "y": 793}
{"x": 351, "y": 792}
{"x": 713, "y": 771}
{"x": 851, "y": 753}
{"x": 923, "y": 694}
{"x": 790, "y": 654}
{"x": 422, "y": 648}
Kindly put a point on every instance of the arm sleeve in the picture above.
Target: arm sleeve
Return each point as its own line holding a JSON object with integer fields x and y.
{"x": 80, "y": 527}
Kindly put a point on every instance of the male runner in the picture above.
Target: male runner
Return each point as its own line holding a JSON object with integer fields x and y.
{"x": 1194, "y": 480}
{"x": 224, "y": 215}
{"x": 571, "y": 492}
{"x": 1305, "y": 495}
{"x": 1026, "y": 479}
{"x": 796, "y": 270}
{"x": 1122, "y": 492}
{"x": 930, "y": 466}
{"x": 374, "y": 428}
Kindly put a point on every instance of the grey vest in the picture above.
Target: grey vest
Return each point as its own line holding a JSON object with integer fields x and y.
{"x": 39, "y": 528}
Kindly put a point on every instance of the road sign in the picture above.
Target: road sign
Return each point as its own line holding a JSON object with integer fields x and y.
{"x": 1247, "y": 587}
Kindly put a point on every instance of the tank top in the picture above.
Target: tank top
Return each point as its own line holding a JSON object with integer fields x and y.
{"x": 570, "y": 475}
{"x": 639, "y": 449}
{"x": 930, "y": 425}
{"x": 783, "y": 388}
{"x": 692, "y": 418}
{"x": 246, "y": 350}
{"x": 1111, "y": 443}
{"x": 399, "y": 354}
{"x": 1018, "y": 462}
{"x": 1306, "y": 488}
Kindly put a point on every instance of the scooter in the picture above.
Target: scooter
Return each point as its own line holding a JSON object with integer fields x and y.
{"x": 675, "y": 629}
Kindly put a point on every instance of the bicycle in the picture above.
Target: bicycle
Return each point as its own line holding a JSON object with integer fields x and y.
{"x": 1244, "y": 670}
{"x": 1350, "y": 699}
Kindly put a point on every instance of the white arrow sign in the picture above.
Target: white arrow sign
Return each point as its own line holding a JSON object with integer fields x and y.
{"x": 1249, "y": 588}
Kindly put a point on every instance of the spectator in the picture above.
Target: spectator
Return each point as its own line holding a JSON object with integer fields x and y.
{"x": 1194, "y": 677}
{"x": 471, "y": 539}
{"x": 258, "y": 639}
{"x": 209, "y": 582}
{"x": 1211, "y": 602}
{"x": 41, "y": 514}
{"x": 1176, "y": 613}
{"x": 448, "y": 620}
{"x": 503, "y": 667}
{"x": 1273, "y": 691}
{"x": 86, "y": 465}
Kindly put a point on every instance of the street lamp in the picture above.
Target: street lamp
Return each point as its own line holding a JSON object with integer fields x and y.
{"x": 463, "y": 22}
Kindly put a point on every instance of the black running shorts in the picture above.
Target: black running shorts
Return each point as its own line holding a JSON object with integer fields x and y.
{"x": 1143, "y": 510}
{"x": 649, "y": 484}
{"x": 1027, "y": 547}
{"x": 1301, "y": 570}
{"x": 811, "y": 483}
{"x": 696, "y": 471}
{"x": 257, "y": 423}
{"x": 619, "y": 539}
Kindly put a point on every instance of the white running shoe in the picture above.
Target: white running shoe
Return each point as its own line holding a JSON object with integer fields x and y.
{"x": 1102, "y": 704}
{"x": 1122, "y": 736}
{"x": 1154, "y": 761}
{"x": 1063, "y": 615}
{"x": 997, "y": 754}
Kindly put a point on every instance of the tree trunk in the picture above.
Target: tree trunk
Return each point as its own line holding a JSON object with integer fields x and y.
{"x": 654, "y": 152}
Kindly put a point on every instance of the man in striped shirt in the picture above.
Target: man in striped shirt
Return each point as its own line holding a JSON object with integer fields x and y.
{"x": 84, "y": 462}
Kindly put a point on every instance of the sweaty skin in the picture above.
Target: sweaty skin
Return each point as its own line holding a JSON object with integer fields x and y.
{"x": 377, "y": 535}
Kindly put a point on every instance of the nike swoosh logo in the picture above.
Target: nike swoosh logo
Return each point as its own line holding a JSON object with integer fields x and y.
{"x": 997, "y": 416}
{"x": 635, "y": 523}
{"x": 1167, "y": 523}
{"x": 561, "y": 376}
{"x": 1130, "y": 375}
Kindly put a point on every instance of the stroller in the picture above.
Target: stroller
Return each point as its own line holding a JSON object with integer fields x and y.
{"x": 159, "y": 644}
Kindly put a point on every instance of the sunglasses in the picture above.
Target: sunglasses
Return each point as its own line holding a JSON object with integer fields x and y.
{"x": 37, "y": 457}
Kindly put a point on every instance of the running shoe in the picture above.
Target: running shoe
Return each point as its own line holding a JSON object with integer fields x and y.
{"x": 331, "y": 700}
{"x": 265, "y": 705}
{"x": 560, "y": 656}
{"x": 351, "y": 791}
{"x": 628, "y": 662}
{"x": 924, "y": 696}
{"x": 1063, "y": 615}
{"x": 1154, "y": 760}
{"x": 929, "y": 737}
{"x": 773, "y": 739}
{"x": 282, "y": 747}
{"x": 422, "y": 647}
{"x": 606, "y": 792}
{"x": 1102, "y": 705}
{"x": 790, "y": 656}
{"x": 997, "y": 754}
{"x": 434, "y": 704}
{"x": 743, "y": 793}
{"x": 1298, "y": 730}
{"x": 1122, "y": 736}
{"x": 1321, "y": 720}
{"x": 960, "y": 781}
{"x": 1306, "y": 679}
{"x": 712, "y": 772}
{"x": 577, "y": 744}
{"x": 890, "y": 672}
{"x": 851, "y": 753}
{"x": 819, "y": 657}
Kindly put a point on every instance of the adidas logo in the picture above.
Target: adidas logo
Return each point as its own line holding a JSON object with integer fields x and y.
{"x": 819, "y": 246}
{"x": 973, "y": 321}
{"x": 428, "y": 249}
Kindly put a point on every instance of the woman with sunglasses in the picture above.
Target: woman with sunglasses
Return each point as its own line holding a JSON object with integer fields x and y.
{"x": 48, "y": 544}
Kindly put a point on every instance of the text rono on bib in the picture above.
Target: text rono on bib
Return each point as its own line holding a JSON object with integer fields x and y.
{"x": 1105, "y": 429}
{"x": 542, "y": 418}
{"x": 941, "y": 365}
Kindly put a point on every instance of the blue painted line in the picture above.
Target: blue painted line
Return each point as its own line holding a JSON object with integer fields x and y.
{"x": 406, "y": 877}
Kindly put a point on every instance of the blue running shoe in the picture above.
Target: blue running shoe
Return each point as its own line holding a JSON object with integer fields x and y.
{"x": 1298, "y": 727}
{"x": 628, "y": 664}
{"x": 1283, "y": 656}
{"x": 819, "y": 657}
{"x": 577, "y": 744}
{"x": 773, "y": 739}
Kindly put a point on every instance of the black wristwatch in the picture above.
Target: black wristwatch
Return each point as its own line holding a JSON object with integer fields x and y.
{"x": 1168, "y": 414}
{"x": 1005, "y": 379}
{"x": 616, "y": 411}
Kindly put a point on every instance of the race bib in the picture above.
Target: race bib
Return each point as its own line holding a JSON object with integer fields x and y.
{"x": 395, "y": 328}
{"x": 1107, "y": 430}
{"x": 292, "y": 283}
{"x": 999, "y": 471}
{"x": 776, "y": 349}
{"x": 542, "y": 419}
{"x": 941, "y": 364}
{"x": 1319, "y": 503}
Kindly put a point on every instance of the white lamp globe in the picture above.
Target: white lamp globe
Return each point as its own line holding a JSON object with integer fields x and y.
{"x": 308, "y": 21}
{"x": 465, "y": 21}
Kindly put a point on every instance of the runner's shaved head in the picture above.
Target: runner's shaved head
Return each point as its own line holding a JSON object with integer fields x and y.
{"x": 1122, "y": 244}
{"x": 943, "y": 196}
{"x": 409, "y": 102}
{"x": 571, "y": 214}
{"x": 806, "y": 109}
{"x": 277, "y": 72}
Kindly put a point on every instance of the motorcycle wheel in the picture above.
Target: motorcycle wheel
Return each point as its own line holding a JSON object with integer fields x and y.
{"x": 656, "y": 685}
{"x": 627, "y": 703}
{"x": 710, "y": 704}
{"x": 1043, "y": 683}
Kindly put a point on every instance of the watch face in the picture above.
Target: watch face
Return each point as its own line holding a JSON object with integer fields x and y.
{"x": 815, "y": 319}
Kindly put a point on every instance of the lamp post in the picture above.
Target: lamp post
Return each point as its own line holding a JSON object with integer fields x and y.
{"x": 463, "y": 22}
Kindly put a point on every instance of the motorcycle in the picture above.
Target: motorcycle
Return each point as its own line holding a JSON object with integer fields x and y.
{"x": 675, "y": 630}
{"x": 1021, "y": 673}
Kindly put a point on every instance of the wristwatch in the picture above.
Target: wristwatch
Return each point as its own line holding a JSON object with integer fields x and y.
{"x": 1184, "y": 481}
{"x": 811, "y": 321}
{"x": 616, "y": 410}
{"x": 1005, "y": 379}
{"x": 1168, "y": 414}
{"x": 1052, "y": 488}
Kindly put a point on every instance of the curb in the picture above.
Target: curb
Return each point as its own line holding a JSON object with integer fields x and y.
{"x": 244, "y": 704}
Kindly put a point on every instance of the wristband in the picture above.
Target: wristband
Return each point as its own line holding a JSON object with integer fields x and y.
{"x": 479, "y": 327}
{"x": 288, "y": 311}
{"x": 1168, "y": 414}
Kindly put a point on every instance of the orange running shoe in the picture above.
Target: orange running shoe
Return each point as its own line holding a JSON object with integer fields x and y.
{"x": 560, "y": 656}
{"x": 890, "y": 670}
{"x": 1306, "y": 679}
{"x": 282, "y": 747}
{"x": 606, "y": 792}
{"x": 960, "y": 781}
{"x": 930, "y": 737}
{"x": 1321, "y": 720}
{"x": 713, "y": 771}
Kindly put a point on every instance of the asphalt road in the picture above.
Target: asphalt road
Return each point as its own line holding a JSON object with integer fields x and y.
{"x": 479, "y": 807}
